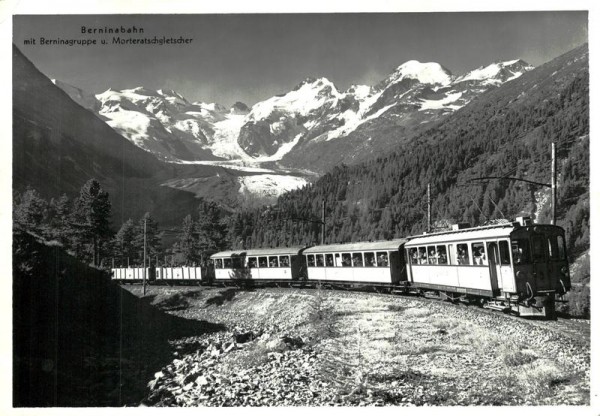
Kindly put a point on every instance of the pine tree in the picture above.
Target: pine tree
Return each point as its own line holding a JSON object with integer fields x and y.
{"x": 153, "y": 238}
{"x": 123, "y": 243}
{"x": 91, "y": 219}
{"x": 59, "y": 224}
{"x": 211, "y": 230}
{"x": 187, "y": 244}
{"x": 29, "y": 210}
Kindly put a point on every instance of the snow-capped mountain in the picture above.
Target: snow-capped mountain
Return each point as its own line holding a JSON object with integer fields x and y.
{"x": 290, "y": 127}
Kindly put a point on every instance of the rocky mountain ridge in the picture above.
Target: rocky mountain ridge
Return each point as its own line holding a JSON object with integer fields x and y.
{"x": 284, "y": 127}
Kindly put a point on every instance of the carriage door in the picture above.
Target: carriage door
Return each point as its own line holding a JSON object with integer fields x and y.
{"x": 494, "y": 263}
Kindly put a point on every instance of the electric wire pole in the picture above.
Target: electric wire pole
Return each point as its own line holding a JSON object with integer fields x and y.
{"x": 553, "y": 184}
{"x": 428, "y": 207}
{"x": 323, "y": 222}
{"x": 144, "y": 266}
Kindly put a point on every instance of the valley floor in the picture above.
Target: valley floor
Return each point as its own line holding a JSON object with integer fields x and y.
{"x": 315, "y": 347}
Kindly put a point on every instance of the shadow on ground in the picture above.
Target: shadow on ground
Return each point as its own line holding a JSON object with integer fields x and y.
{"x": 226, "y": 295}
{"x": 79, "y": 339}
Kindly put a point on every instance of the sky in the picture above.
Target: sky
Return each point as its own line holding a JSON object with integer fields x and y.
{"x": 251, "y": 57}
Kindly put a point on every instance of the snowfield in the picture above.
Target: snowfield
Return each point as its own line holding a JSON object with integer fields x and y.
{"x": 269, "y": 185}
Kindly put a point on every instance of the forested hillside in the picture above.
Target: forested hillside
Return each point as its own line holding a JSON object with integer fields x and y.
{"x": 505, "y": 132}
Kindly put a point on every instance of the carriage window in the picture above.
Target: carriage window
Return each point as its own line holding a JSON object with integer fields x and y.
{"x": 346, "y": 260}
{"x": 329, "y": 260}
{"x": 273, "y": 261}
{"x": 338, "y": 260}
{"x": 553, "y": 247}
{"x": 370, "y": 260}
{"x": 218, "y": 264}
{"x": 562, "y": 253}
{"x": 227, "y": 263}
{"x": 442, "y": 256}
{"x": 462, "y": 254}
{"x": 262, "y": 262}
{"x": 236, "y": 263}
{"x": 504, "y": 253}
{"x": 310, "y": 260}
{"x": 537, "y": 243}
{"x": 251, "y": 262}
{"x": 422, "y": 255}
{"x": 357, "y": 260}
{"x": 479, "y": 257}
{"x": 432, "y": 256}
{"x": 319, "y": 260}
{"x": 520, "y": 251}
{"x": 382, "y": 259}
{"x": 413, "y": 255}
{"x": 284, "y": 261}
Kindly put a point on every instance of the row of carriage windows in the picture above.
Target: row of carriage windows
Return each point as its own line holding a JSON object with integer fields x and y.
{"x": 478, "y": 254}
{"x": 253, "y": 262}
{"x": 368, "y": 259}
{"x": 475, "y": 253}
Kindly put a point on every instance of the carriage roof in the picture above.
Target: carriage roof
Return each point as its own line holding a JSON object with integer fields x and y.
{"x": 277, "y": 251}
{"x": 362, "y": 246}
{"x": 496, "y": 231}
{"x": 231, "y": 253}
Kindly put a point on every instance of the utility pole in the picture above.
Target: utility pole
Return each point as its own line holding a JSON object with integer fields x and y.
{"x": 553, "y": 184}
{"x": 428, "y": 207}
{"x": 323, "y": 222}
{"x": 144, "y": 266}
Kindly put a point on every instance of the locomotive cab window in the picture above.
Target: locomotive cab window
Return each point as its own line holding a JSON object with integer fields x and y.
{"x": 273, "y": 261}
{"x": 262, "y": 262}
{"x": 251, "y": 262}
{"x": 370, "y": 260}
{"x": 310, "y": 260}
{"x": 479, "y": 257}
{"x": 284, "y": 261}
{"x": 382, "y": 259}
{"x": 320, "y": 262}
{"x": 346, "y": 260}
{"x": 520, "y": 251}
{"x": 537, "y": 244}
{"x": 329, "y": 260}
{"x": 462, "y": 254}
{"x": 562, "y": 252}
{"x": 555, "y": 247}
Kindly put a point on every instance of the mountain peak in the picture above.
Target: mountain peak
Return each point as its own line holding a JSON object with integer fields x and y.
{"x": 497, "y": 72}
{"x": 318, "y": 82}
{"x": 424, "y": 72}
{"x": 170, "y": 93}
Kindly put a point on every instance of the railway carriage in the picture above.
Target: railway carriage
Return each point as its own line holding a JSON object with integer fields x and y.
{"x": 131, "y": 274}
{"x": 229, "y": 265}
{"x": 514, "y": 266}
{"x": 181, "y": 274}
{"x": 372, "y": 263}
{"x": 276, "y": 264}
